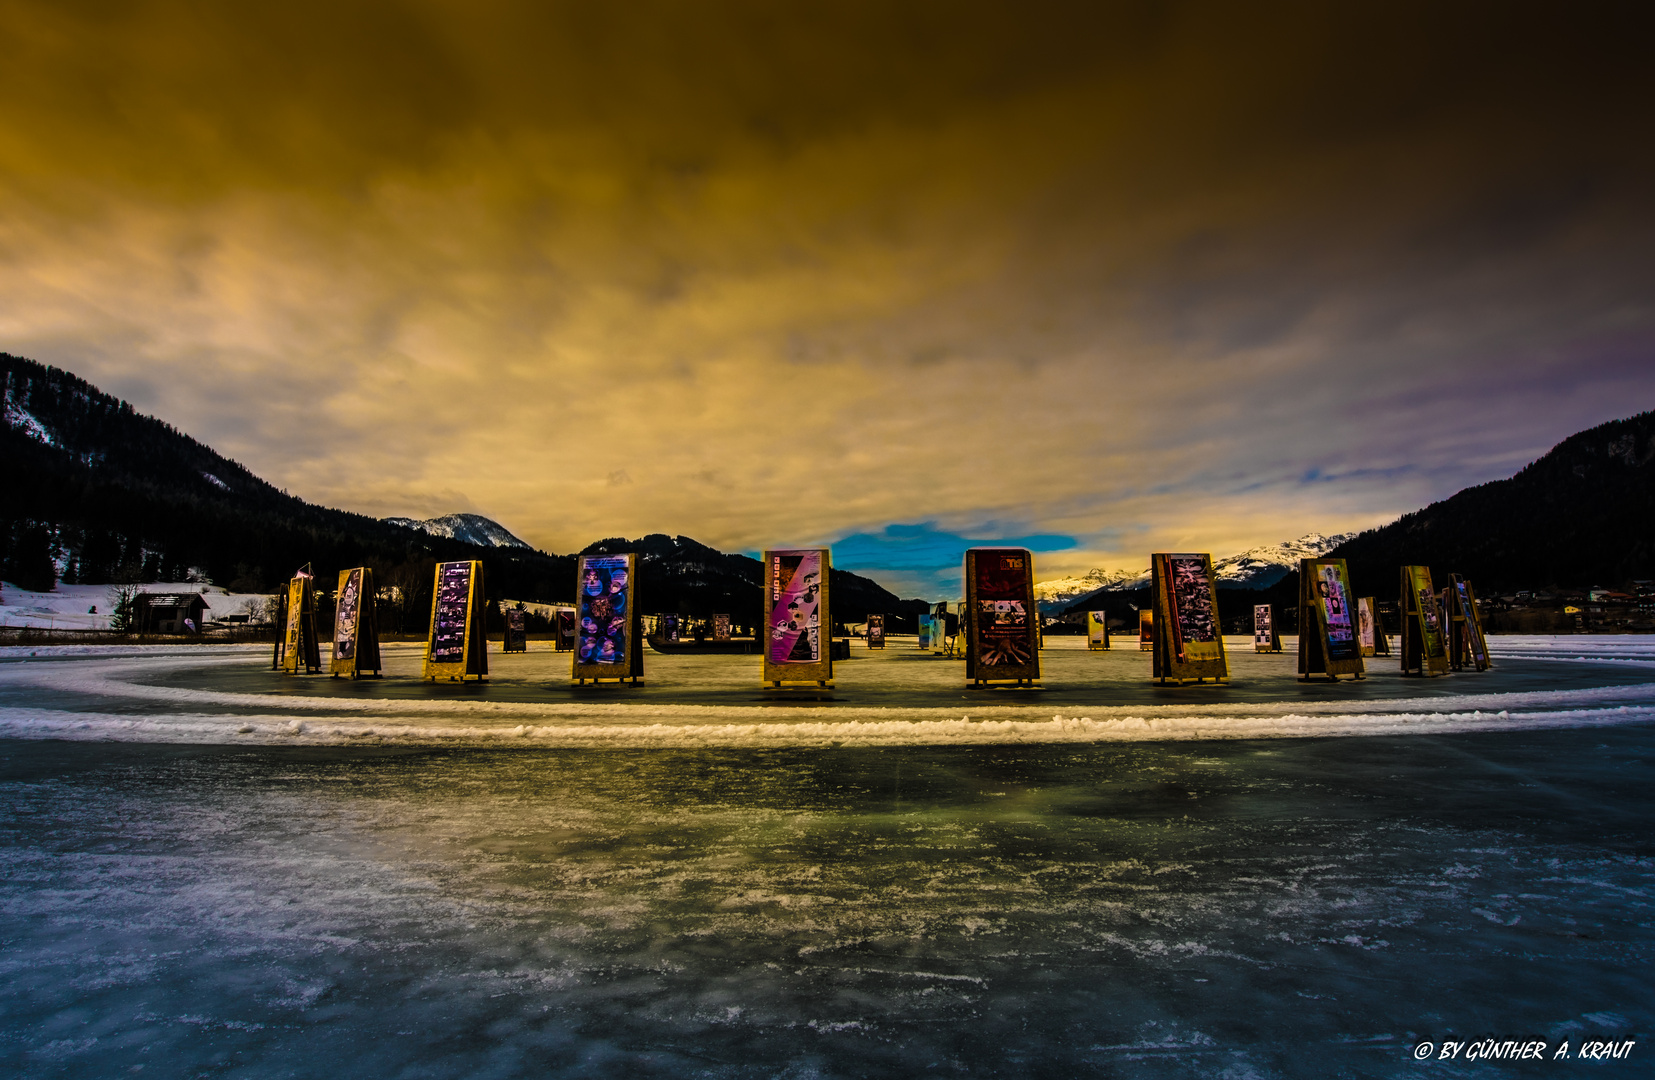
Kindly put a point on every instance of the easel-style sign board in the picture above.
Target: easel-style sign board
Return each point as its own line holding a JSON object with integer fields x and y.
{"x": 669, "y": 628}
{"x": 1146, "y": 629}
{"x": 517, "y": 633}
{"x": 1188, "y": 642}
{"x": 1369, "y": 608}
{"x": 721, "y": 628}
{"x": 355, "y": 625}
{"x": 1002, "y": 634}
{"x": 876, "y": 631}
{"x": 456, "y": 648}
{"x": 1266, "y": 638}
{"x": 796, "y": 616}
{"x": 1365, "y": 626}
{"x": 607, "y": 642}
{"x": 1470, "y": 627}
{"x": 301, "y": 650}
{"x": 1422, "y": 647}
{"x": 1328, "y": 644}
{"x": 1097, "y": 631}
{"x": 565, "y": 629}
{"x": 925, "y": 630}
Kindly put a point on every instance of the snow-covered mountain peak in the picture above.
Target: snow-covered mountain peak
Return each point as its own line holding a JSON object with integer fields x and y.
{"x": 466, "y": 528}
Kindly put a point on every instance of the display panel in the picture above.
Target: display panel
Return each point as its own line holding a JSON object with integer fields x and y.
{"x": 1146, "y": 629}
{"x": 1365, "y": 624}
{"x": 1195, "y": 616}
{"x": 517, "y": 630}
{"x": 1002, "y": 637}
{"x": 1429, "y": 611}
{"x": 795, "y": 600}
{"x": 1097, "y": 630}
{"x": 1263, "y": 629}
{"x": 1423, "y": 643}
{"x": 346, "y": 611}
{"x": 796, "y": 625}
{"x": 448, "y": 626}
{"x": 1333, "y": 602}
{"x": 721, "y": 628}
{"x": 1188, "y": 641}
{"x": 925, "y": 623}
{"x": 455, "y": 647}
{"x": 566, "y": 627}
{"x": 605, "y": 590}
{"x": 876, "y": 631}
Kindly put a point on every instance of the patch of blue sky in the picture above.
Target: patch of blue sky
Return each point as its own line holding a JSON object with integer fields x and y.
{"x": 926, "y": 561}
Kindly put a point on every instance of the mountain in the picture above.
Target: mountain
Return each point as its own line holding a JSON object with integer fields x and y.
{"x": 1256, "y": 568}
{"x": 1582, "y": 514}
{"x": 1058, "y": 593}
{"x": 466, "y": 528}
{"x": 1261, "y": 567}
{"x": 97, "y": 492}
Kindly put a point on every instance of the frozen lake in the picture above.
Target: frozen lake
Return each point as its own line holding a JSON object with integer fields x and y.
{"x": 209, "y": 868}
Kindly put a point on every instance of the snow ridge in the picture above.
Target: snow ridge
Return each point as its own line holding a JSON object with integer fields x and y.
{"x": 466, "y": 528}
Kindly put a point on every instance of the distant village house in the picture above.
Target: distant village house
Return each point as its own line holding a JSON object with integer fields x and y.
{"x": 168, "y": 613}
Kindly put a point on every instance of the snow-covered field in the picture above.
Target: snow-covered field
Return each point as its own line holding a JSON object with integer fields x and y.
{"x": 88, "y": 607}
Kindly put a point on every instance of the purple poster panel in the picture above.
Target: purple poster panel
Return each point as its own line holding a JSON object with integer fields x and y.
{"x": 1334, "y": 597}
{"x": 344, "y": 623}
{"x": 795, "y": 621}
{"x": 453, "y": 605}
{"x": 601, "y": 634}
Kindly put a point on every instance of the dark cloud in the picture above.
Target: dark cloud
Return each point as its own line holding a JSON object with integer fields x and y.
{"x": 1137, "y": 274}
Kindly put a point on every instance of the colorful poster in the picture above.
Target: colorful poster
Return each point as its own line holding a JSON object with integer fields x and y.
{"x": 1419, "y": 580}
{"x": 566, "y": 629}
{"x": 1002, "y": 609}
{"x": 721, "y": 628}
{"x": 669, "y": 628}
{"x": 345, "y": 617}
{"x": 1364, "y": 625}
{"x": 1097, "y": 629}
{"x": 453, "y": 609}
{"x": 1333, "y": 603}
{"x": 876, "y": 631}
{"x": 295, "y": 608}
{"x": 517, "y": 634}
{"x": 1263, "y": 633}
{"x": 795, "y": 621}
{"x": 1195, "y": 623}
{"x": 1146, "y": 629}
{"x": 925, "y": 630}
{"x": 604, "y": 594}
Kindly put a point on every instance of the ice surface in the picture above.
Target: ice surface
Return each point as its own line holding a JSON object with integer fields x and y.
{"x": 526, "y": 880}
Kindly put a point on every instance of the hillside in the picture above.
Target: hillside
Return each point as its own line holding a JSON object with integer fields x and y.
{"x": 1581, "y": 515}
{"x": 97, "y": 492}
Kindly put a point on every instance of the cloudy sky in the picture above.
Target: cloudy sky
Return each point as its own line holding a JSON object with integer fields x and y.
{"x": 901, "y": 277}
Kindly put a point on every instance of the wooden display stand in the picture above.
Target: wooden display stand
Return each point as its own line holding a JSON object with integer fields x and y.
{"x": 516, "y": 635}
{"x": 1467, "y": 646}
{"x": 797, "y": 617}
{"x": 1381, "y": 640}
{"x": 1097, "y": 631}
{"x": 356, "y": 626}
{"x": 1328, "y": 644}
{"x": 609, "y": 639}
{"x": 1266, "y": 639}
{"x": 1421, "y": 646}
{"x": 564, "y": 625}
{"x": 456, "y": 648}
{"x": 1188, "y": 643}
{"x": 721, "y": 628}
{"x": 1002, "y": 621}
{"x": 1146, "y": 629}
{"x": 300, "y": 648}
{"x": 876, "y": 631}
